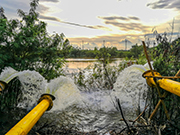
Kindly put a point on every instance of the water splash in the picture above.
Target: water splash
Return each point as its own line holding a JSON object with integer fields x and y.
{"x": 8, "y": 74}
{"x": 98, "y": 100}
{"x": 131, "y": 89}
{"x": 33, "y": 85}
{"x": 94, "y": 110}
{"x": 65, "y": 91}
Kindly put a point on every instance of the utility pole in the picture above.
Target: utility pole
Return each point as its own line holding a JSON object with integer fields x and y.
{"x": 82, "y": 44}
{"x": 125, "y": 44}
{"x": 104, "y": 43}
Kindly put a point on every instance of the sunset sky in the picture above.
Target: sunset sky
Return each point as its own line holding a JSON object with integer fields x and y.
{"x": 87, "y": 23}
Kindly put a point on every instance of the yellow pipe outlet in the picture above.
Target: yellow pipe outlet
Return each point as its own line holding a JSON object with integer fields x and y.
{"x": 150, "y": 80}
{"x": 166, "y": 84}
{"x": 25, "y": 125}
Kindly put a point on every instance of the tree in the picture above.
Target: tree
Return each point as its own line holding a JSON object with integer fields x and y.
{"x": 66, "y": 48}
{"x": 136, "y": 50}
{"x": 25, "y": 44}
{"x": 166, "y": 57}
{"x": 74, "y": 52}
{"x": 103, "y": 56}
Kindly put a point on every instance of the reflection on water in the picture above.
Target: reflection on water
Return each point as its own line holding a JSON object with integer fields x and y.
{"x": 83, "y": 63}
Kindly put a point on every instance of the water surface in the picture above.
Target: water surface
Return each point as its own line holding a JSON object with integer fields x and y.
{"x": 73, "y": 63}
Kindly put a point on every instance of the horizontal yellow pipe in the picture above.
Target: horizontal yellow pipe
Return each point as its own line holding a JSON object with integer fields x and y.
{"x": 25, "y": 125}
{"x": 166, "y": 84}
{"x": 170, "y": 85}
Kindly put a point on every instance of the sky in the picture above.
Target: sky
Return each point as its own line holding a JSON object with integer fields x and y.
{"x": 94, "y": 23}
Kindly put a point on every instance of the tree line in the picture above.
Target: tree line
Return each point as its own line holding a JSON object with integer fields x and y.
{"x": 76, "y": 52}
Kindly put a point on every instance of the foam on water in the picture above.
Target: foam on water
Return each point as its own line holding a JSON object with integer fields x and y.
{"x": 33, "y": 85}
{"x": 131, "y": 88}
{"x": 98, "y": 100}
{"x": 65, "y": 91}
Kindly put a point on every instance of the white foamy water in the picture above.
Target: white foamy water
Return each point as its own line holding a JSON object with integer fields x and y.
{"x": 65, "y": 91}
{"x": 131, "y": 89}
{"x": 8, "y": 74}
{"x": 33, "y": 85}
{"x": 95, "y": 110}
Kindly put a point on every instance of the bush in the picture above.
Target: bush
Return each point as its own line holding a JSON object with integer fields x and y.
{"x": 25, "y": 44}
{"x": 166, "y": 61}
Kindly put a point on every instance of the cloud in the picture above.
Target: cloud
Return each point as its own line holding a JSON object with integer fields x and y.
{"x": 125, "y": 23}
{"x": 129, "y": 26}
{"x": 48, "y": 18}
{"x": 49, "y": 1}
{"x": 12, "y": 6}
{"x": 43, "y": 9}
{"x": 134, "y": 18}
{"x": 111, "y": 18}
{"x": 165, "y": 4}
{"x": 120, "y": 18}
{"x": 87, "y": 26}
{"x": 75, "y": 24}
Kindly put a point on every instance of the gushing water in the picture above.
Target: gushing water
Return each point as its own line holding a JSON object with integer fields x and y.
{"x": 65, "y": 91}
{"x": 131, "y": 89}
{"x": 8, "y": 74}
{"x": 93, "y": 110}
{"x": 33, "y": 85}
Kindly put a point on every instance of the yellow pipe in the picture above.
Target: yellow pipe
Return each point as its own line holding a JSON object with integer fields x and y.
{"x": 170, "y": 85}
{"x": 166, "y": 84}
{"x": 25, "y": 125}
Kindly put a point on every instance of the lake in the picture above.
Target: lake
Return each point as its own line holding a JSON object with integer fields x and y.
{"x": 73, "y": 63}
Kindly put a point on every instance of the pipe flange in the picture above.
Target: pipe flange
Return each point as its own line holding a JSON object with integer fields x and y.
{"x": 149, "y": 73}
{"x": 150, "y": 79}
{"x": 50, "y": 99}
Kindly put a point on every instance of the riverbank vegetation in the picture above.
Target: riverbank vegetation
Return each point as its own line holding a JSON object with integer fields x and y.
{"x": 75, "y": 52}
{"x": 166, "y": 57}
